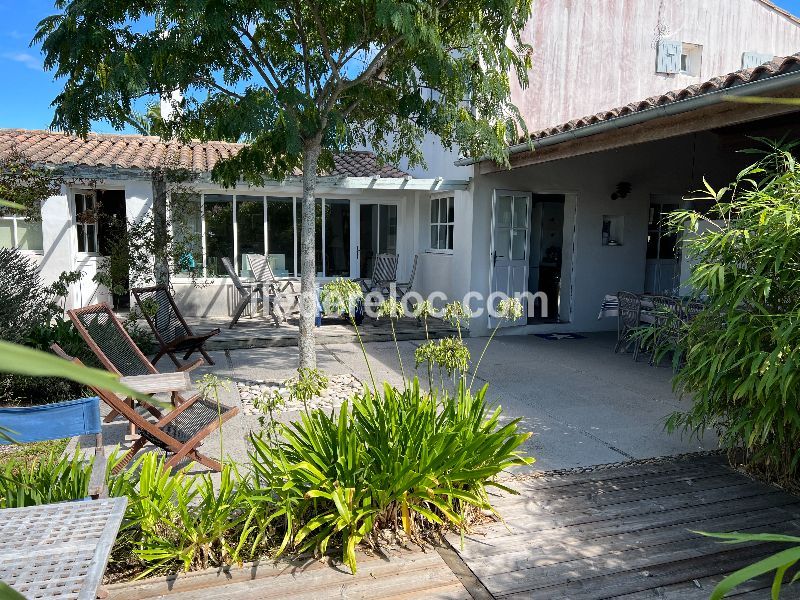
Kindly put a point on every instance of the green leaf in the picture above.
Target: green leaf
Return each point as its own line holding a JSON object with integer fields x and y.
{"x": 21, "y": 360}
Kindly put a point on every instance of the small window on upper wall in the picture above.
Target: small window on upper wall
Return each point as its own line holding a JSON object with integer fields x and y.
{"x": 442, "y": 223}
{"x": 691, "y": 59}
{"x": 679, "y": 57}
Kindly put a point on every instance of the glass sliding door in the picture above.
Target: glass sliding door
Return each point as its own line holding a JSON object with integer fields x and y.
{"x": 249, "y": 229}
{"x": 281, "y": 236}
{"x": 218, "y": 211}
{"x": 377, "y": 234}
{"x": 337, "y": 238}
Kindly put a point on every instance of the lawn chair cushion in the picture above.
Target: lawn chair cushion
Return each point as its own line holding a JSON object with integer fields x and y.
{"x": 52, "y": 421}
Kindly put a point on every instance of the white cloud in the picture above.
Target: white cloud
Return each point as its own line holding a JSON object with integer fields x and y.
{"x": 24, "y": 58}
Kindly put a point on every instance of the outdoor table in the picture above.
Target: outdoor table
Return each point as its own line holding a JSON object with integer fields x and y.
{"x": 610, "y": 308}
{"x": 58, "y": 550}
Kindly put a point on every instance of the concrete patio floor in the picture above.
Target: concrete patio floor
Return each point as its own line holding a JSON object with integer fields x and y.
{"x": 584, "y": 404}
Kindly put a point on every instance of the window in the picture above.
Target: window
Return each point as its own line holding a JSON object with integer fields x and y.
{"x": 86, "y": 221}
{"x": 210, "y": 227}
{"x": 691, "y": 59}
{"x": 16, "y": 232}
{"x": 442, "y": 223}
{"x": 679, "y": 57}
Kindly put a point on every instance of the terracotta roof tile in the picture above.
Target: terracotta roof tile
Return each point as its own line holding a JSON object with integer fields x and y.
{"x": 778, "y": 66}
{"x": 145, "y": 152}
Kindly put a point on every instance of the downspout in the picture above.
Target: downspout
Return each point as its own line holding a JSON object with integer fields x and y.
{"x": 770, "y": 84}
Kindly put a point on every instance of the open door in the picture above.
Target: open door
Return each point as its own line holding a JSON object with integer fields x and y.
{"x": 509, "y": 248}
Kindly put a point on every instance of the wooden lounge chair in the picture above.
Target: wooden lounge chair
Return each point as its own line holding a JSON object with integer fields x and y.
{"x": 178, "y": 432}
{"x": 171, "y": 330}
{"x": 277, "y": 287}
{"x": 384, "y": 273}
{"x": 58, "y": 421}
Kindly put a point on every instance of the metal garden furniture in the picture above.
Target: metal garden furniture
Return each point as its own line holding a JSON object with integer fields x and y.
{"x": 178, "y": 432}
{"x": 246, "y": 293}
{"x": 668, "y": 313}
{"x": 171, "y": 330}
{"x": 405, "y": 287}
{"x": 384, "y": 273}
{"x": 277, "y": 287}
{"x": 629, "y": 319}
{"x": 59, "y": 551}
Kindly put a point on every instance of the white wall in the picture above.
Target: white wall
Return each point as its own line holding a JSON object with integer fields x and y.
{"x": 608, "y": 48}
{"x": 445, "y": 272}
{"x": 59, "y": 238}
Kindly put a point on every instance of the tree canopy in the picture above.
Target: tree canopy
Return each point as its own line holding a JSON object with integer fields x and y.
{"x": 296, "y": 80}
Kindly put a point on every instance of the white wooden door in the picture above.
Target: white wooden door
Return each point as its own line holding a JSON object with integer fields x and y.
{"x": 510, "y": 248}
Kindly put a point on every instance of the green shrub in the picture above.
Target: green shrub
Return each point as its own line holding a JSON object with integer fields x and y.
{"x": 742, "y": 353}
{"x": 404, "y": 459}
{"x": 48, "y": 479}
{"x": 177, "y": 520}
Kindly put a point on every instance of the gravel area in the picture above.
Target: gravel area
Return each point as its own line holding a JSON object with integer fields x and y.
{"x": 340, "y": 388}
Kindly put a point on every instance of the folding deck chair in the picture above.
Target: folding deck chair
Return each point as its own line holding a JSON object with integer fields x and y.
{"x": 178, "y": 432}
{"x": 106, "y": 337}
{"x": 384, "y": 273}
{"x": 277, "y": 287}
{"x": 58, "y": 421}
{"x": 171, "y": 330}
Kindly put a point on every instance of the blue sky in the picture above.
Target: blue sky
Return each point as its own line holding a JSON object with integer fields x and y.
{"x": 29, "y": 90}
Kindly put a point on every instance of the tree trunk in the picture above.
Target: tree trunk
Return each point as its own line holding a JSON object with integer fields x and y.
{"x": 160, "y": 246}
{"x": 308, "y": 268}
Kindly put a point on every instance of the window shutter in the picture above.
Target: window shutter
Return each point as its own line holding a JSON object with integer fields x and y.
{"x": 669, "y": 56}
{"x": 751, "y": 60}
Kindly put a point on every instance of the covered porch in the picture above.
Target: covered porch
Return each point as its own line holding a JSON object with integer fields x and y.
{"x": 582, "y": 215}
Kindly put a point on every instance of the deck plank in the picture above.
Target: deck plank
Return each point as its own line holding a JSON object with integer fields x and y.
{"x": 626, "y": 532}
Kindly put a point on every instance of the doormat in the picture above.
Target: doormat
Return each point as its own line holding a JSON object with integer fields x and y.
{"x": 554, "y": 337}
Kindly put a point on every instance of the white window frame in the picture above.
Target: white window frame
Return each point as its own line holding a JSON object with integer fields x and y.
{"x": 80, "y": 228}
{"x": 449, "y": 245}
{"x": 15, "y": 233}
{"x": 296, "y": 204}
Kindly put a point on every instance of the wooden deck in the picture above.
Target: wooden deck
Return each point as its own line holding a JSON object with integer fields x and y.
{"x": 622, "y": 532}
{"x": 626, "y": 533}
{"x": 258, "y": 332}
{"x": 403, "y": 575}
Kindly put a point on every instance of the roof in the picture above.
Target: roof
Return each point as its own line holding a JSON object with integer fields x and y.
{"x": 779, "y": 66}
{"x": 147, "y": 152}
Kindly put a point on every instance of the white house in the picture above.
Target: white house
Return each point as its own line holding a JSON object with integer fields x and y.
{"x": 577, "y": 217}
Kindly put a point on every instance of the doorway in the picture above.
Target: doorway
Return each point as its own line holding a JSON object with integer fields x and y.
{"x": 509, "y": 260}
{"x": 546, "y": 256}
{"x": 662, "y": 267}
{"x": 377, "y": 234}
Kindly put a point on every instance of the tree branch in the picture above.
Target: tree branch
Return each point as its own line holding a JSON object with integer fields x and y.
{"x": 211, "y": 83}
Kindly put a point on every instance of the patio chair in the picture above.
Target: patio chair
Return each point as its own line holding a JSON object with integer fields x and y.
{"x": 384, "y": 273}
{"x": 668, "y": 312}
{"x": 170, "y": 328}
{"x": 246, "y": 293}
{"x": 405, "y": 287}
{"x": 178, "y": 432}
{"x": 277, "y": 287}
{"x": 630, "y": 311}
{"x": 58, "y": 421}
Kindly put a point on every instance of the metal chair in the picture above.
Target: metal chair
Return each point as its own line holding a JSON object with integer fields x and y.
{"x": 246, "y": 292}
{"x": 277, "y": 287}
{"x": 668, "y": 312}
{"x": 170, "y": 328}
{"x": 405, "y": 287}
{"x": 628, "y": 321}
{"x": 384, "y": 273}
